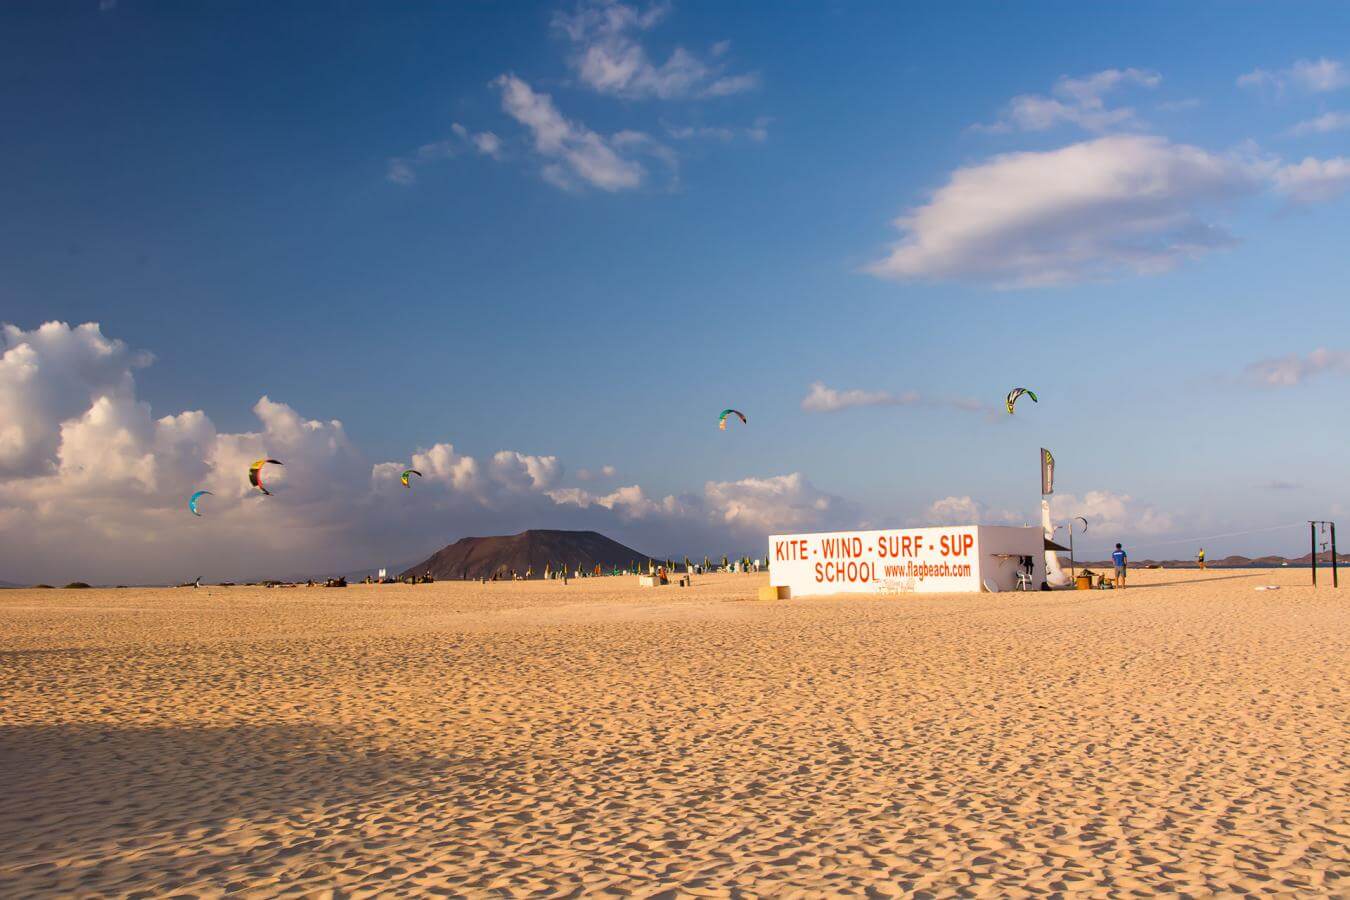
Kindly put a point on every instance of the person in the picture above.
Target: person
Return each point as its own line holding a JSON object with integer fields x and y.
{"x": 1119, "y": 559}
{"x": 1200, "y": 558}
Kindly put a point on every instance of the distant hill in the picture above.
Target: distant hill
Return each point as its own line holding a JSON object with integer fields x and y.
{"x": 478, "y": 557}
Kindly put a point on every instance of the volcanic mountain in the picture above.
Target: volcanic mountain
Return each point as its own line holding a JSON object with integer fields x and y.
{"x": 477, "y": 557}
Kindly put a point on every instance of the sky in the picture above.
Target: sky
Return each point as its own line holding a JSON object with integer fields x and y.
{"x": 533, "y": 250}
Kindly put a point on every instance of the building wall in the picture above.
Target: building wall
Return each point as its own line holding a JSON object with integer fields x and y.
{"x": 996, "y": 540}
{"x": 945, "y": 559}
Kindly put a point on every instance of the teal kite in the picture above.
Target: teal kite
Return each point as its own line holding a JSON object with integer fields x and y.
{"x": 192, "y": 501}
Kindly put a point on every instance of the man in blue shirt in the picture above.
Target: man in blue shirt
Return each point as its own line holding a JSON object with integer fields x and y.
{"x": 1119, "y": 559}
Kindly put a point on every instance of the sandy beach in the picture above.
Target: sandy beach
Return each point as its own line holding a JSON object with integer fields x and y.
{"x": 597, "y": 738}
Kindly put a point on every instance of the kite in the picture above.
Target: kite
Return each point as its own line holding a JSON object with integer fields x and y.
{"x": 1016, "y": 393}
{"x": 404, "y": 477}
{"x": 1084, "y": 521}
{"x": 722, "y": 419}
{"x": 255, "y": 473}
{"x": 192, "y": 501}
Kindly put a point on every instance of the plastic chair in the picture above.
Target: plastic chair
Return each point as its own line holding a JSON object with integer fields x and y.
{"x": 1023, "y": 581}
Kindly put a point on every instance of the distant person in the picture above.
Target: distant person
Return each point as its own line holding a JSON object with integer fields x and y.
{"x": 1119, "y": 559}
{"x": 1200, "y": 558}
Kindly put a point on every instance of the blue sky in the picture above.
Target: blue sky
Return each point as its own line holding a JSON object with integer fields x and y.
{"x": 580, "y": 231}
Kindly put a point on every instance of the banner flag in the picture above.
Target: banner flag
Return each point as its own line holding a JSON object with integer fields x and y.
{"x": 1047, "y": 472}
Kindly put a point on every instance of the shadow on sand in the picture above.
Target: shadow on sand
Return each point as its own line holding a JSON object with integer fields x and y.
{"x": 83, "y": 807}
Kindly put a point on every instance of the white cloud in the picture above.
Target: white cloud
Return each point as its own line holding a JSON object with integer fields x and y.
{"x": 443, "y": 463}
{"x": 589, "y": 475}
{"x": 400, "y": 171}
{"x": 751, "y": 507}
{"x": 1323, "y": 124}
{"x": 628, "y": 503}
{"x": 576, "y": 154}
{"x": 609, "y": 58}
{"x": 1314, "y": 180}
{"x": 1291, "y": 370}
{"x": 1089, "y": 210}
{"x": 1319, "y": 75}
{"x": 93, "y": 487}
{"x": 1310, "y": 75}
{"x": 821, "y": 398}
{"x": 1257, "y": 78}
{"x": 778, "y": 504}
{"x": 1112, "y": 513}
{"x": 485, "y": 142}
{"x": 403, "y": 169}
{"x": 965, "y": 510}
{"x": 826, "y": 399}
{"x": 1076, "y": 101}
{"x": 519, "y": 472}
{"x": 48, "y": 376}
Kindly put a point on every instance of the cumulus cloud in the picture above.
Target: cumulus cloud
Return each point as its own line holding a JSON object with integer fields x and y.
{"x": 403, "y": 169}
{"x": 48, "y": 376}
{"x": 1309, "y": 75}
{"x": 575, "y": 155}
{"x": 778, "y": 504}
{"x": 1323, "y": 124}
{"x": 1291, "y": 370}
{"x": 1075, "y": 101}
{"x": 1113, "y": 513}
{"x": 966, "y": 510}
{"x": 609, "y": 58}
{"x": 748, "y": 507}
{"x": 629, "y": 502}
{"x": 520, "y": 472}
{"x": 1314, "y": 180}
{"x": 1119, "y": 204}
{"x": 94, "y": 487}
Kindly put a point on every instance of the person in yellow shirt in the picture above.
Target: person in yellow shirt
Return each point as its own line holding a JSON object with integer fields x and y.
{"x": 1200, "y": 558}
